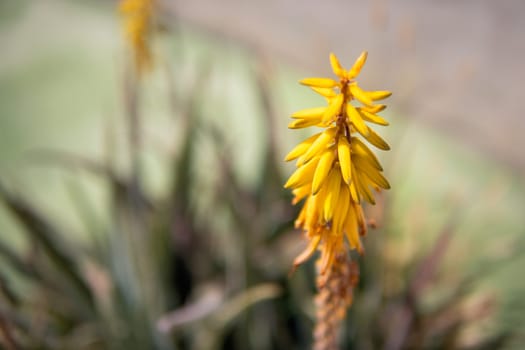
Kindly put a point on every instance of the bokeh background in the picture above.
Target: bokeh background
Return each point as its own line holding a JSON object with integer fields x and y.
{"x": 152, "y": 215}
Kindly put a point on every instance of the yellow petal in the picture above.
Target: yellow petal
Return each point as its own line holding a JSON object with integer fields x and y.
{"x": 301, "y": 148}
{"x": 361, "y": 150}
{"x": 351, "y": 228}
{"x": 309, "y": 113}
{"x": 300, "y": 193}
{"x": 302, "y": 175}
{"x": 343, "y": 152}
{"x": 359, "y": 63}
{"x": 301, "y": 218}
{"x": 354, "y": 193}
{"x": 377, "y": 141}
{"x": 336, "y": 66}
{"x": 356, "y": 120}
{"x": 327, "y": 257}
{"x": 333, "y": 186}
{"x": 319, "y": 82}
{"x": 341, "y": 210}
{"x": 371, "y": 117}
{"x": 303, "y": 123}
{"x": 326, "y": 92}
{"x": 374, "y": 108}
{"x": 362, "y": 188}
{"x": 360, "y": 95}
{"x": 378, "y": 95}
{"x": 320, "y": 198}
{"x": 361, "y": 221}
{"x": 323, "y": 167}
{"x": 334, "y": 108}
{"x": 319, "y": 144}
{"x": 372, "y": 173}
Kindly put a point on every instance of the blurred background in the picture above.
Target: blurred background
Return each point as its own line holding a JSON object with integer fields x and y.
{"x": 151, "y": 215}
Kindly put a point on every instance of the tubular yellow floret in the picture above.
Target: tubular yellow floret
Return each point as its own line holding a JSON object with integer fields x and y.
{"x": 336, "y": 66}
{"x": 358, "y": 65}
{"x": 319, "y": 82}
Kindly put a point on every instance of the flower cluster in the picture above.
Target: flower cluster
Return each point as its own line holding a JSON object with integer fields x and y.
{"x": 336, "y": 170}
{"x": 137, "y": 16}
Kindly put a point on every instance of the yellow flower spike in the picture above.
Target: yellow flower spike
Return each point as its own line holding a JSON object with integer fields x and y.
{"x": 323, "y": 167}
{"x": 319, "y": 82}
{"x": 377, "y": 141}
{"x": 371, "y": 117}
{"x": 343, "y": 153}
{"x": 356, "y": 120}
{"x": 336, "y": 67}
{"x": 335, "y": 172}
{"x": 301, "y": 148}
{"x": 360, "y": 95}
{"x": 138, "y": 29}
{"x": 320, "y": 144}
{"x": 309, "y": 113}
{"x": 378, "y": 95}
{"x": 302, "y": 175}
{"x": 359, "y": 63}
{"x": 334, "y": 108}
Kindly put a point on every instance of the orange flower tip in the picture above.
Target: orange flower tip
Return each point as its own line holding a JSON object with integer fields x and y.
{"x": 319, "y": 82}
{"x": 308, "y": 252}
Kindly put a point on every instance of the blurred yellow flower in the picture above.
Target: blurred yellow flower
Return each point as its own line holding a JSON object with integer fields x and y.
{"x": 336, "y": 170}
{"x": 137, "y": 15}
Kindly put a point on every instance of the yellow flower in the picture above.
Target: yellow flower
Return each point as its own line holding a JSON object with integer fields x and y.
{"x": 137, "y": 16}
{"x": 336, "y": 170}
